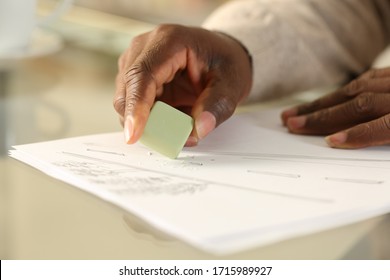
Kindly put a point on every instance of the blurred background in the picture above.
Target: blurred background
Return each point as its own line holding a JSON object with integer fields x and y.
{"x": 157, "y": 11}
{"x": 106, "y": 25}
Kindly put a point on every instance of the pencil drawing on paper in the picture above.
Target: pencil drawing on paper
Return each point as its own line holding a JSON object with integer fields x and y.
{"x": 130, "y": 180}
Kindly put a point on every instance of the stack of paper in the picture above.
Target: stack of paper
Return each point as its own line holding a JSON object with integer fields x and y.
{"x": 248, "y": 184}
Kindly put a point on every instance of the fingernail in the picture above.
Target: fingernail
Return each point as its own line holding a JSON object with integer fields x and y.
{"x": 191, "y": 141}
{"x": 204, "y": 124}
{"x": 337, "y": 139}
{"x": 128, "y": 129}
{"x": 296, "y": 122}
{"x": 292, "y": 112}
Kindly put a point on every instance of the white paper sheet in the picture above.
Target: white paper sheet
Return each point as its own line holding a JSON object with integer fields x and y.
{"x": 248, "y": 184}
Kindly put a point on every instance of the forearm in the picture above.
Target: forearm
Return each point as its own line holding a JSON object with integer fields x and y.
{"x": 300, "y": 44}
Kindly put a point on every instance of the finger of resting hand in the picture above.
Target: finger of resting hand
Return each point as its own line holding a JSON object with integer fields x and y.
{"x": 363, "y": 108}
{"x": 359, "y": 86}
{"x": 373, "y": 133}
{"x": 326, "y": 101}
{"x": 374, "y": 80}
{"x": 376, "y": 73}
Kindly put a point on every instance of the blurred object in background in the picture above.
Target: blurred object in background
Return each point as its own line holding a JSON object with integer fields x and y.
{"x": 109, "y": 26}
{"x": 191, "y": 12}
{"x": 21, "y": 34}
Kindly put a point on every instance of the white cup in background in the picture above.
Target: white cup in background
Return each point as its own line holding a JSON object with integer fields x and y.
{"x": 18, "y": 20}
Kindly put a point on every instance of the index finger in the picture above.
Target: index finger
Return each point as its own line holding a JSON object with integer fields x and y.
{"x": 144, "y": 79}
{"x": 127, "y": 58}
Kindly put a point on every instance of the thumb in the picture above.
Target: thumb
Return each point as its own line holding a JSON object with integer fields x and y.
{"x": 215, "y": 105}
{"x": 204, "y": 124}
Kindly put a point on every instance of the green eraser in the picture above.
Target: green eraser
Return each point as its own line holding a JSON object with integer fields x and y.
{"x": 166, "y": 130}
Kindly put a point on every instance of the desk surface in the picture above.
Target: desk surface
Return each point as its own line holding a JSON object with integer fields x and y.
{"x": 70, "y": 94}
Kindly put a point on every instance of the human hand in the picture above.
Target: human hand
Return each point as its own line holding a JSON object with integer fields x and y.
{"x": 203, "y": 73}
{"x": 357, "y": 115}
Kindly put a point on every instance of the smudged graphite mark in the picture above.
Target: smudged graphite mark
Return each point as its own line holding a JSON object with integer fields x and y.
{"x": 349, "y": 180}
{"x": 105, "y": 152}
{"x": 195, "y": 163}
{"x": 99, "y": 162}
{"x": 279, "y": 174}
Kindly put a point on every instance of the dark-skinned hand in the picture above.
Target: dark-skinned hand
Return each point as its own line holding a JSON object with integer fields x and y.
{"x": 203, "y": 73}
{"x": 355, "y": 116}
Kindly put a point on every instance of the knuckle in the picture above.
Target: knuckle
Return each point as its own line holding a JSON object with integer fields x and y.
{"x": 137, "y": 78}
{"x": 310, "y": 107}
{"x": 166, "y": 30}
{"x": 224, "y": 108}
{"x": 119, "y": 104}
{"x": 131, "y": 75}
{"x": 370, "y": 74}
{"x": 136, "y": 41}
{"x": 365, "y": 130}
{"x": 354, "y": 87}
{"x": 137, "y": 72}
{"x": 170, "y": 34}
{"x": 364, "y": 103}
{"x": 163, "y": 28}
{"x": 320, "y": 117}
{"x": 135, "y": 46}
{"x": 132, "y": 100}
{"x": 386, "y": 123}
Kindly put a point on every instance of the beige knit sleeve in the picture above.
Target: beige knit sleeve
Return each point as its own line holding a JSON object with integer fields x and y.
{"x": 300, "y": 44}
